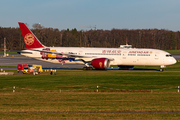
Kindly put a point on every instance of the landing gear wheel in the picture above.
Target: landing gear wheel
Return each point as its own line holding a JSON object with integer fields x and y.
{"x": 87, "y": 68}
{"x": 84, "y": 68}
{"x": 90, "y": 68}
{"x": 162, "y": 69}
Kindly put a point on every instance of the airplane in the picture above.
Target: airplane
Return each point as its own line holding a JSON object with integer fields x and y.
{"x": 99, "y": 58}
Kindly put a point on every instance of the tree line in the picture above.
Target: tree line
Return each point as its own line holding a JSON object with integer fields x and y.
{"x": 140, "y": 38}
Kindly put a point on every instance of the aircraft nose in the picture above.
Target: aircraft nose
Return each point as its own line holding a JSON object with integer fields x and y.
{"x": 174, "y": 61}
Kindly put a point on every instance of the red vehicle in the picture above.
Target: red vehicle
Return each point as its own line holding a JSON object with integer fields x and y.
{"x": 20, "y": 67}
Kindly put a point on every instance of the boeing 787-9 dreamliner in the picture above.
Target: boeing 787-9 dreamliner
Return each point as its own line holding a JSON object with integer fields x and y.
{"x": 99, "y": 58}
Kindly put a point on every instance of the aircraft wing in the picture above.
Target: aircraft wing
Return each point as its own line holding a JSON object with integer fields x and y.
{"x": 69, "y": 54}
{"x": 66, "y": 54}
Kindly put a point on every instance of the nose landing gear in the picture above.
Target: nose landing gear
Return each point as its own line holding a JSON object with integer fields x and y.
{"x": 162, "y": 68}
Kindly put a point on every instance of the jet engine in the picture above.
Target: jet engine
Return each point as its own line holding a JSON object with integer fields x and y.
{"x": 101, "y": 63}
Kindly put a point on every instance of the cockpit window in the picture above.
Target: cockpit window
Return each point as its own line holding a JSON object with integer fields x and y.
{"x": 168, "y": 55}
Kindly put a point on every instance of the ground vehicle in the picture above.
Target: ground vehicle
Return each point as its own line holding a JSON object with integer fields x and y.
{"x": 32, "y": 68}
{"x": 38, "y": 67}
{"x": 25, "y": 70}
{"x": 29, "y": 70}
{"x": 20, "y": 67}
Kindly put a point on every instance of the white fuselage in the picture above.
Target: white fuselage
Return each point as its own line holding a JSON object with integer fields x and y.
{"x": 119, "y": 56}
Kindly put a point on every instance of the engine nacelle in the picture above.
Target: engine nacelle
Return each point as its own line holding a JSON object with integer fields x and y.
{"x": 126, "y": 67}
{"x": 101, "y": 63}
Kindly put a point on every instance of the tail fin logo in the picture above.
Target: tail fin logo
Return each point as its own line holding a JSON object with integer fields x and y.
{"x": 29, "y": 39}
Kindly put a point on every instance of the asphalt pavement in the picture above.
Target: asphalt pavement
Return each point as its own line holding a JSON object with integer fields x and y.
{"x": 13, "y": 61}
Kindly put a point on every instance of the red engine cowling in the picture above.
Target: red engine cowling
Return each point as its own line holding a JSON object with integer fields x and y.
{"x": 101, "y": 63}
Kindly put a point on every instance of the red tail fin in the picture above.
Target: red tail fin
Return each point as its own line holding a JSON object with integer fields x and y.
{"x": 30, "y": 39}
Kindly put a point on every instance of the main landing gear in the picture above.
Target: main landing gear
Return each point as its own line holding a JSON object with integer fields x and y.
{"x": 87, "y": 68}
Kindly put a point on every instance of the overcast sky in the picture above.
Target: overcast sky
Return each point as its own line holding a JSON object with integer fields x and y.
{"x": 104, "y": 14}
